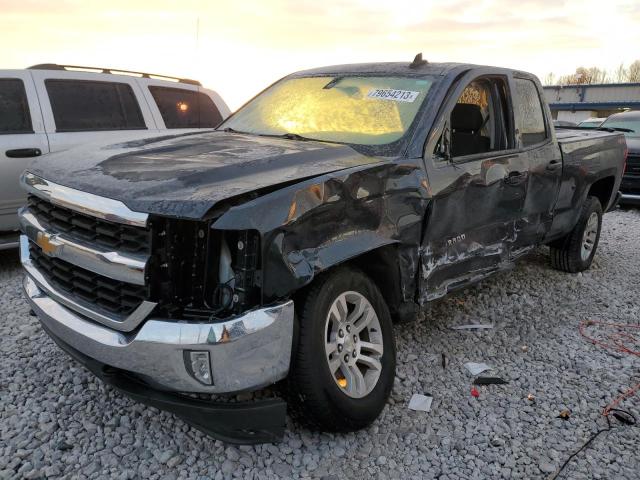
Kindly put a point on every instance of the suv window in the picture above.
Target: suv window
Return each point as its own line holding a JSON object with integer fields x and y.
{"x": 182, "y": 108}
{"x": 528, "y": 113}
{"x": 14, "y": 107}
{"x": 85, "y": 105}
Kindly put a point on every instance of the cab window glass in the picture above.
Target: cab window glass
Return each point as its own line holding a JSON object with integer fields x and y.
{"x": 181, "y": 108}
{"x": 528, "y": 113}
{"x": 83, "y": 105}
{"x": 14, "y": 107}
{"x": 477, "y": 121}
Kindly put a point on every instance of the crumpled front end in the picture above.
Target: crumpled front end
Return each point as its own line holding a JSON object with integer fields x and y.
{"x": 108, "y": 290}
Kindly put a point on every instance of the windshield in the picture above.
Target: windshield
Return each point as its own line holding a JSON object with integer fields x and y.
{"x": 356, "y": 110}
{"x": 632, "y": 124}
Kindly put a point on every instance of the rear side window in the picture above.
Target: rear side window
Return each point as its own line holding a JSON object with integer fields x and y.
{"x": 182, "y": 108}
{"x": 14, "y": 107}
{"x": 83, "y": 106}
{"x": 528, "y": 113}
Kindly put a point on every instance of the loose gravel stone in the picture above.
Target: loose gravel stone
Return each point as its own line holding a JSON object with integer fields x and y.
{"x": 58, "y": 421}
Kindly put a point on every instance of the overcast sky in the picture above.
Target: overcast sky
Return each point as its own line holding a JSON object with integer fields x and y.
{"x": 244, "y": 45}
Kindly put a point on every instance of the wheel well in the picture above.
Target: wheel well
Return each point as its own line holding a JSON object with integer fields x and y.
{"x": 383, "y": 267}
{"x": 603, "y": 190}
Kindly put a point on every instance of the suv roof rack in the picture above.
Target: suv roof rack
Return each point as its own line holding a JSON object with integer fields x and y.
{"x": 55, "y": 66}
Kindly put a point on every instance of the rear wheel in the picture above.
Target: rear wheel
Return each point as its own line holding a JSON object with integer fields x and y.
{"x": 575, "y": 252}
{"x": 344, "y": 365}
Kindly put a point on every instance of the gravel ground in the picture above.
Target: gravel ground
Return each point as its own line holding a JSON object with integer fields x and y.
{"x": 58, "y": 421}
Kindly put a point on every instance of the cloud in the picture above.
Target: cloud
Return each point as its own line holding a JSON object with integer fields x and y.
{"x": 242, "y": 46}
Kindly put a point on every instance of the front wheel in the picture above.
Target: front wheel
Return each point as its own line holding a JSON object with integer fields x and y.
{"x": 575, "y": 252}
{"x": 344, "y": 364}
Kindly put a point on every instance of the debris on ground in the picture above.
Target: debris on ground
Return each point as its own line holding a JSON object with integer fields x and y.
{"x": 524, "y": 348}
{"x": 489, "y": 381}
{"x": 531, "y": 398}
{"x": 476, "y": 368}
{"x": 474, "y": 392}
{"x": 444, "y": 361}
{"x": 565, "y": 414}
{"x": 420, "y": 403}
{"x": 473, "y": 326}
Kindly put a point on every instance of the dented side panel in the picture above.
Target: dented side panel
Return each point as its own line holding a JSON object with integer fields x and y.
{"x": 472, "y": 225}
{"x": 314, "y": 225}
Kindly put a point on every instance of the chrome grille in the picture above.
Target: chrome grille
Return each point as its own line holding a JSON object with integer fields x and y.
{"x": 92, "y": 230}
{"x": 633, "y": 164}
{"x": 116, "y": 297}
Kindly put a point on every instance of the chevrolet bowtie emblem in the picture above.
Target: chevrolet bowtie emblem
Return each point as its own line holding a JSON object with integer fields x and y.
{"x": 47, "y": 243}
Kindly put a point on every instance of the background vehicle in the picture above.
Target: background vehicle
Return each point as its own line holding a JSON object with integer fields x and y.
{"x": 563, "y": 123}
{"x": 283, "y": 244}
{"x": 591, "y": 123}
{"x": 629, "y": 124}
{"x": 50, "y": 108}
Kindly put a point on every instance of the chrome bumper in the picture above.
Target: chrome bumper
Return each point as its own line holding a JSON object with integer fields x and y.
{"x": 629, "y": 198}
{"x": 246, "y": 352}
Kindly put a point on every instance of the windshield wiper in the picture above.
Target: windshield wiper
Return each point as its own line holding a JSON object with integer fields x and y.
{"x": 231, "y": 130}
{"x": 289, "y": 136}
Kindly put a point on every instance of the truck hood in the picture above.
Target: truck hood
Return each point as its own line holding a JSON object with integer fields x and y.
{"x": 184, "y": 176}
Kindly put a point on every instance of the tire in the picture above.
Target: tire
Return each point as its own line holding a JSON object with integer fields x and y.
{"x": 569, "y": 253}
{"x": 318, "y": 398}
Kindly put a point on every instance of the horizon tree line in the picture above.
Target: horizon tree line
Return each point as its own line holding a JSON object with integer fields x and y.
{"x": 591, "y": 75}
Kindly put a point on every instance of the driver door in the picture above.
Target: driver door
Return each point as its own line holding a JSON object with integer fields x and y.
{"x": 478, "y": 185}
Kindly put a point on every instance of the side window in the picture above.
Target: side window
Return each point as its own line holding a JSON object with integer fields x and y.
{"x": 182, "y": 108}
{"x": 14, "y": 107}
{"x": 528, "y": 113}
{"x": 82, "y": 106}
{"x": 477, "y": 121}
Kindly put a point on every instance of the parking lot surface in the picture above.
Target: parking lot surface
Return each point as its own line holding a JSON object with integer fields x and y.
{"x": 56, "y": 420}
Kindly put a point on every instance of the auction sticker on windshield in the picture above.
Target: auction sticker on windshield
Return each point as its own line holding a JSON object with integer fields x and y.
{"x": 391, "y": 94}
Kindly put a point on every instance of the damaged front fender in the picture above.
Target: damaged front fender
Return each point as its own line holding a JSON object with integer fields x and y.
{"x": 314, "y": 225}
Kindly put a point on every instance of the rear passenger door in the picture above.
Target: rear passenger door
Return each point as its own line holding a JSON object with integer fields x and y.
{"x": 22, "y": 137}
{"x": 182, "y": 107}
{"x": 478, "y": 183}
{"x": 542, "y": 155}
{"x": 83, "y": 107}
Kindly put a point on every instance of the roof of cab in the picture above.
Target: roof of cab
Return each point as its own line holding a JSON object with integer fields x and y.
{"x": 397, "y": 68}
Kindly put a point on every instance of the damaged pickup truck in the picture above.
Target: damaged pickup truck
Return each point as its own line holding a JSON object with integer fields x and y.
{"x": 285, "y": 244}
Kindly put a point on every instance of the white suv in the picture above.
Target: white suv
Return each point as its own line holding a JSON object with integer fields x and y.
{"x": 48, "y": 108}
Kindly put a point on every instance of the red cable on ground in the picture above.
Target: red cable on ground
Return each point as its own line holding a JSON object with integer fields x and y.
{"x": 620, "y": 340}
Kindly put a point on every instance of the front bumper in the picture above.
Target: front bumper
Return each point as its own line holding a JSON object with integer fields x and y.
{"x": 246, "y": 352}
{"x": 241, "y": 422}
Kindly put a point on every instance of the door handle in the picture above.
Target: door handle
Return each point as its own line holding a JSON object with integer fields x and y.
{"x": 554, "y": 165}
{"x": 23, "y": 153}
{"x": 515, "y": 178}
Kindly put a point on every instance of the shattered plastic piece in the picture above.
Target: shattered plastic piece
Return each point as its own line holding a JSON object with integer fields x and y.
{"x": 530, "y": 397}
{"x": 444, "y": 361}
{"x": 565, "y": 414}
{"x": 420, "y": 403}
{"x": 473, "y": 326}
{"x": 524, "y": 348}
{"x": 476, "y": 368}
{"x": 474, "y": 392}
{"x": 489, "y": 381}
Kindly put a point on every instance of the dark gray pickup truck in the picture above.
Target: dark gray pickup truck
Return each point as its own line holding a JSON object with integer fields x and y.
{"x": 285, "y": 244}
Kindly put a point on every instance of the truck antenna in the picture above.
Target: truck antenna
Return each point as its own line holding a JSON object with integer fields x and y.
{"x": 418, "y": 61}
